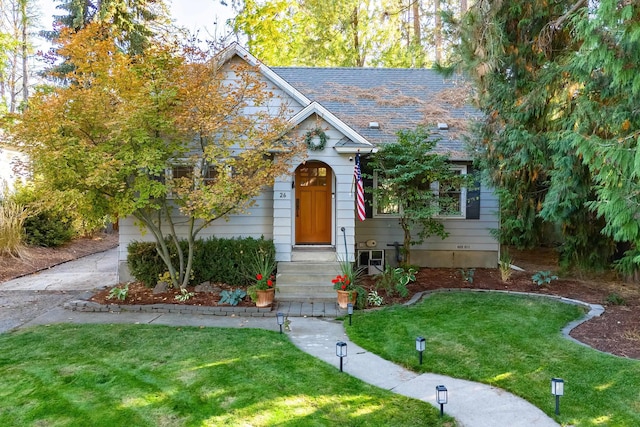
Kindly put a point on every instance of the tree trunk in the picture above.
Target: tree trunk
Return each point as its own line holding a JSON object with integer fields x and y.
{"x": 417, "y": 36}
{"x": 438, "y": 31}
{"x": 25, "y": 51}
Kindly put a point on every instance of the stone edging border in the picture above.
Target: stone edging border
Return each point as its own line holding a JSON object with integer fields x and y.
{"x": 595, "y": 310}
{"x": 90, "y": 306}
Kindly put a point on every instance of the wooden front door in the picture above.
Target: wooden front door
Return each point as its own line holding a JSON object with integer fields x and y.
{"x": 313, "y": 204}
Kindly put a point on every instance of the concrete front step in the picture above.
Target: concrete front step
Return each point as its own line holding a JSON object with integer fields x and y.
{"x": 314, "y": 254}
{"x": 307, "y": 280}
{"x": 306, "y": 298}
{"x": 309, "y": 267}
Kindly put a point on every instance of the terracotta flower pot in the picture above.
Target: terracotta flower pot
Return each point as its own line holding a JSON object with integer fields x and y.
{"x": 346, "y": 297}
{"x": 265, "y": 297}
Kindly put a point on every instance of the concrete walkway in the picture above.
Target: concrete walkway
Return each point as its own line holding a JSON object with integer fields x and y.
{"x": 87, "y": 273}
{"x": 472, "y": 404}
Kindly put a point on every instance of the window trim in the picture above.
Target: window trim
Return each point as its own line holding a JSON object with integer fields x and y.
{"x": 463, "y": 194}
{"x": 376, "y": 214}
{"x": 464, "y": 170}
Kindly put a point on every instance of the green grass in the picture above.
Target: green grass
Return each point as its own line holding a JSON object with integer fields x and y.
{"x": 141, "y": 375}
{"x": 511, "y": 342}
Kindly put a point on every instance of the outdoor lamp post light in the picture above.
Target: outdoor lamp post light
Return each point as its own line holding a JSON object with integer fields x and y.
{"x": 421, "y": 344}
{"x": 350, "y": 312}
{"x": 341, "y": 351}
{"x": 280, "y": 319}
{"x": 441, "y": 397}
{"x": 557, "y": 389}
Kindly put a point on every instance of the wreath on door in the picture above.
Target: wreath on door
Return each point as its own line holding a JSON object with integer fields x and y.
{"x": 322, "y": 137}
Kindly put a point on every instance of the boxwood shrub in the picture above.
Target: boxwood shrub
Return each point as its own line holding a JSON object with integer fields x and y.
{"x": 215, "y": 259}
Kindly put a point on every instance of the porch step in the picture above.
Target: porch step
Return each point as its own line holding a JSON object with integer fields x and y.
{"x": 307, "y": 281}
{"x": 313, "y": 254}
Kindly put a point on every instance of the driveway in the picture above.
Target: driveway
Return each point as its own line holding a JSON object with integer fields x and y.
{"x": 25, "y": 298}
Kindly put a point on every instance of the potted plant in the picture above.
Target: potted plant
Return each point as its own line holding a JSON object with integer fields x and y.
{"x": 262, "y": 291}
{"x": 346, "y": 284}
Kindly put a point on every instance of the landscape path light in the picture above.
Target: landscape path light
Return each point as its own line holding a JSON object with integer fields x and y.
{"x": 557, "y": 389}
{"x": 441, "y": 397}
{"x": 350, "y": 312}
{"x": 280, "y": 319}
{"x": 421, "y": 344}
{"x": 341, "y": 351}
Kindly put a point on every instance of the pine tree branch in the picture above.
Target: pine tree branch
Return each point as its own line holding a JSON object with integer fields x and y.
{"x": 546, "y": 34}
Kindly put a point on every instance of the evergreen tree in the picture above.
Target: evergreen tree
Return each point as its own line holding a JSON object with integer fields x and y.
{"x": 136, "y": 22}
{"x": 557, "y": 83}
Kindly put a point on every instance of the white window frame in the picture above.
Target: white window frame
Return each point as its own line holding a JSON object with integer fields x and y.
{"x": 375, "y": 203}
{"x": 170, "y": 169}
{"x": 463, "y": 194}
{"x": 463, "y": 198}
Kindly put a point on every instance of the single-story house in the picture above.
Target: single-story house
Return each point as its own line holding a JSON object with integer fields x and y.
{"x": 310, "y": 214}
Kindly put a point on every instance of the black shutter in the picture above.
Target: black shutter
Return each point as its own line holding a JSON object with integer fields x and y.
{"x": 473, "y": 194}
{"x": 367, "y": 182}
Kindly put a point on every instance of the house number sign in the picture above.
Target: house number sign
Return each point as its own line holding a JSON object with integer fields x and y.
{"x": 283, "y": 195}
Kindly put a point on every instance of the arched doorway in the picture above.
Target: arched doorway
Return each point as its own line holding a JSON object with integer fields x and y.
{"x": 313, "y": 203}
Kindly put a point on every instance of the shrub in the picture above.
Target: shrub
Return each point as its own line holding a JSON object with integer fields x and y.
{"x": 144, "y": 262}
{"x": 48, "y": 228}
{"x": 395, "y": 280}
{"x": 215, "y": 259}
{"x": 48, "y": 224}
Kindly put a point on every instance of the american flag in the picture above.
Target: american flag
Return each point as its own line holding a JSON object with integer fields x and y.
{"x": 357, "y": 173}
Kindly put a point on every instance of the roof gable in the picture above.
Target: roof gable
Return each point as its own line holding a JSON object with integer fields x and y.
{"x": 236, "y": 50}
{"x": 353, "y": 141}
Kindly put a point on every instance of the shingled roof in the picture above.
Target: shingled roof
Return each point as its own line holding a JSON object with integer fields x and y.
{"x": 394, "y": 98}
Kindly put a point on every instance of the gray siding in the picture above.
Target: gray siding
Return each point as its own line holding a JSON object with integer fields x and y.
{"x": 465, "y": 235}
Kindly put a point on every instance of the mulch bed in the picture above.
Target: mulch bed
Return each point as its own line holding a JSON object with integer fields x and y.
{"x": 617, "y": 331}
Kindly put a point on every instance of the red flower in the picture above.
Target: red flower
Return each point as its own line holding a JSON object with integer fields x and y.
{"x": 269, "y": 283}
{"x": 344, "y": 287}
{"x": 259, "y": 276}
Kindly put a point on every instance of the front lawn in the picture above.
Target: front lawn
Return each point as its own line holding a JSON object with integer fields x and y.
{"x": 511, "y": 342}
{"x": 141, "y": 375}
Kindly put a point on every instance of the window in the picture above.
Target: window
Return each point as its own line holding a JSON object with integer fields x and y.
{"x": 181, "y": 171}
{"x": 452, "y": 199}
{"x": 387, "y": 204}
{"x": 452, "y": 204}
{"x": 313, "y": 176}
{"x": 209, "y": 175}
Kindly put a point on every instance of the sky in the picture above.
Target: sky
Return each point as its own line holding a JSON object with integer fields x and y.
{"x": 192, "y": 14}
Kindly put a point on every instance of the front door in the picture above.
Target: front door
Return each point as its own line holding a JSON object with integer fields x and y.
{"x": 313, "y": 204}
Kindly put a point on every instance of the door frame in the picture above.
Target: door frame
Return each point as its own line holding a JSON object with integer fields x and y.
{"x": 331, "y": 217}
